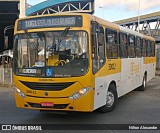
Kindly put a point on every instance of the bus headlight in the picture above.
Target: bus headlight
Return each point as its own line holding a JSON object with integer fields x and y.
{"x": 20, "y": 93}
{"x": 80, "y": 93}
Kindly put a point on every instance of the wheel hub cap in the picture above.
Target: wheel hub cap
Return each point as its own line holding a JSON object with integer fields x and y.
{"x": 110, "y": 99}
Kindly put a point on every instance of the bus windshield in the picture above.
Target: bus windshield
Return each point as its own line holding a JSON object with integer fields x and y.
{"x": 51, "y": 54}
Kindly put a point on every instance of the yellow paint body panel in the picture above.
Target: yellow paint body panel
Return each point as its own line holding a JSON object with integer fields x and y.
{"x": 57, "y": 97}
{"x": 148, "y": 60}
{"x": 112, "y": 66}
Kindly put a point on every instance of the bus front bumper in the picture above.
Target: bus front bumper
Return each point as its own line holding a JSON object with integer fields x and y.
{"x": 82, "y": 104}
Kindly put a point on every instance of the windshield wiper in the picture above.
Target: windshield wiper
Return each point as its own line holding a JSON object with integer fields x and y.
{"x": 62, "y": 36}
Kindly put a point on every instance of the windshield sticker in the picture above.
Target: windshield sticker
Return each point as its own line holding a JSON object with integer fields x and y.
{"x": 39, "y": 64}
{"x": 49, "y": 72}
{"x": 56, "y": 75}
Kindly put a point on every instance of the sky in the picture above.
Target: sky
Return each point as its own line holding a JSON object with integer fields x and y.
{"x": 114, "y": 10}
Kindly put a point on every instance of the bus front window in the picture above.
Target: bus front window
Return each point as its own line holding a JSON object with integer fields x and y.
{"x": 67, "y": 54}
{"x": 64, "y": 55}
{"x": 29, "y": 49}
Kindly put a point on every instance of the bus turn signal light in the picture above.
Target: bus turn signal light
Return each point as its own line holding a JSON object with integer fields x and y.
{"x": 20, "y": 93}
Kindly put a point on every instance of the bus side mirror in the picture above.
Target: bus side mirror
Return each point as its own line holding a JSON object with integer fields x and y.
{"x": 5, "y": 42}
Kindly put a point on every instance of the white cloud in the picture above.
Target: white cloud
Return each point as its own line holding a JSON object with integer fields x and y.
{"x": 130, "y": 5}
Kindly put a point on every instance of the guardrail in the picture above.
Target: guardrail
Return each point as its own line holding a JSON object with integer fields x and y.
{"x": 6, "y": 76}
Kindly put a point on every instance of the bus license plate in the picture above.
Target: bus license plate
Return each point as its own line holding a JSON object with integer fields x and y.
{"x": 47, "y": 104}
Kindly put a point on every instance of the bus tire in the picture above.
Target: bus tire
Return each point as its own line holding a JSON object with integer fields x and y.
{"x": 143, "y": 86}
{"x": 111, "y": 100}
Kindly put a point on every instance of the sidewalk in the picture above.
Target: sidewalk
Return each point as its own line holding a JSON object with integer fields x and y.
{"x": 6, "y": 85}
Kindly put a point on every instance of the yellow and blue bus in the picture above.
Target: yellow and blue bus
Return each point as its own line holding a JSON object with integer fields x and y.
{"x": 78, "y": 62}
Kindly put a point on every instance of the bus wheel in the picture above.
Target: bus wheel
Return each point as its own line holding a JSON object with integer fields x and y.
{"x": 111, "y": 100}
{"x": 143, "y": 86}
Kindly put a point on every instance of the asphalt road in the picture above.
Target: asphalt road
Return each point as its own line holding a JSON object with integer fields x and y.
{"x": 133, "y": 108}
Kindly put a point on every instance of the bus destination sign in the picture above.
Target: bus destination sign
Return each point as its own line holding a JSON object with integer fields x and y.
{"x": 50, "y": 21}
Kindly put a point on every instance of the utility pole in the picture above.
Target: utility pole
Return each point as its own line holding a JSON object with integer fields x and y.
{"x": 102, "y": 11}
{"x": 139, "y": 15}
{"x": 22, "y": 9}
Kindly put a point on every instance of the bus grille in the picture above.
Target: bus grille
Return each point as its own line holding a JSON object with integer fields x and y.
{"x": 56, "y": 106}
{"x": 47, "y": 86}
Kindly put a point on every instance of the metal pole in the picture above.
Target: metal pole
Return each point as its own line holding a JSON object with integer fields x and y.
{"x": 139, "y": 16}
{"x": 3, "y": 75}
{"x": 11, "y": 75}
{"x": 102, "y": 11}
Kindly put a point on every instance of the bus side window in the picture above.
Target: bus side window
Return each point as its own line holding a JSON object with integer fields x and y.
{"x": 152, "y": 49}
{"x": 144, "y": 49}
{"x": 101, "y": 44}
{"x": 112, "y": 44}
{"x": 149, "y": 48}
{"x": 123, "y": 45}
{"x": 98, "y": 46}
{"x": 138, "y": 47}
{"x": 131, "y": 46}
{"x": 93, "y": 38}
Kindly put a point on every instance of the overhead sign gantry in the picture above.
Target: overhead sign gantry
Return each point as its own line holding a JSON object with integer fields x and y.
{"x": 149, "y": 24}
{"x": 57, "y": 6}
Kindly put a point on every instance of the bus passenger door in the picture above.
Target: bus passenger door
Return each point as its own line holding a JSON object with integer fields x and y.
{"x": 98, "y": 61}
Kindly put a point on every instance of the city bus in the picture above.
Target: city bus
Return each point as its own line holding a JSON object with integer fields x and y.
{"x": 78, "y": 62}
